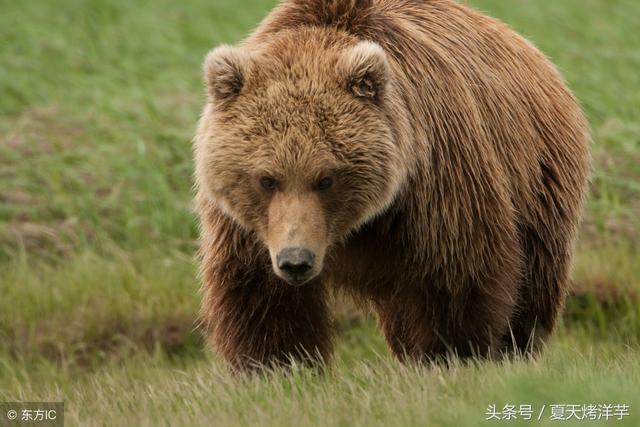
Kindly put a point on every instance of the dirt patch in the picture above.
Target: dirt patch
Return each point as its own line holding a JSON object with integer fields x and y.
{"x": 600, "y": 302}
{"x": 18, "y": 197}
{"x": 55, "y": 239}
{"x": 40, "y": 130}
{"x": 604, "y": 292}
{"x": 114, "y": 341}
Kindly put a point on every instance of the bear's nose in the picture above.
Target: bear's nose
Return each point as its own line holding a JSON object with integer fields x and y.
{"x": 295, "y": 261}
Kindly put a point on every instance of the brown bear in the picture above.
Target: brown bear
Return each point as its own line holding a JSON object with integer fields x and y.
{"x": 418, "y": 155}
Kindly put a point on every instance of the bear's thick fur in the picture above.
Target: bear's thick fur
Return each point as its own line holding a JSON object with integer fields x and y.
{"x": 417, "y": 154}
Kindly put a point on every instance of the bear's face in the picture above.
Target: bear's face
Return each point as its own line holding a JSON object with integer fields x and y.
{"x": 295, "y": 145}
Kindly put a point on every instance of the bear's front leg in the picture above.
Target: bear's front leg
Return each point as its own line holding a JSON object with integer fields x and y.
{"x": 434, "y": 324}
{"x": 254, "y": 318}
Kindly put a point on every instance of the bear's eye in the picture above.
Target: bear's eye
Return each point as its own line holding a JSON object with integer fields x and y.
{"x": 324, "y": 184}
{"x": 268, "y": 183}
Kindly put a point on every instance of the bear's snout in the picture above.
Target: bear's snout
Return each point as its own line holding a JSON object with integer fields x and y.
{"x": 296, "y": 263}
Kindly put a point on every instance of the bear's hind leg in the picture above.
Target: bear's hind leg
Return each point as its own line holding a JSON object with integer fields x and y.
{"x": 543, "y": 291}
{"x": 431, "y": 324}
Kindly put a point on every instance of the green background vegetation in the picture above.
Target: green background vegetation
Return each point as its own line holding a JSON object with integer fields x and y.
{"x": 98, "y": 292}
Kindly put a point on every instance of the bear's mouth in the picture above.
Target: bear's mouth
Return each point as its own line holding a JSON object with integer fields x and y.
{"x": 297, "y": 281}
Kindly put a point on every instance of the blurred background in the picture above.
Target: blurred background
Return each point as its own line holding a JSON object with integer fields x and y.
{"x": 98, "y": 289}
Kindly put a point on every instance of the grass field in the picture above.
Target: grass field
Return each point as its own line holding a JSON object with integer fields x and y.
{"x": 98, "y": 294}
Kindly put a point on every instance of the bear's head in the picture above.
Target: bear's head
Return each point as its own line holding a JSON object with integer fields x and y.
{"x": 297, "y": 143}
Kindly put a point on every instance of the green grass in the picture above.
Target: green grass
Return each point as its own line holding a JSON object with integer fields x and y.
{"x": 374, "y": 392}
{"x": 98, "y": 104}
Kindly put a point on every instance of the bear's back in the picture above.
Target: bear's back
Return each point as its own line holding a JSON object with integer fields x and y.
{"x": 474, "y": 90}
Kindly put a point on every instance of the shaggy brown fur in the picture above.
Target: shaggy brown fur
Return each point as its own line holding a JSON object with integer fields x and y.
{"x": 457, "y": 162}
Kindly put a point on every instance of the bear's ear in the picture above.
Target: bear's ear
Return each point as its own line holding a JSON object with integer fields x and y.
{"x": 225, "y": 72}
{"x": 365, "y": 69}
